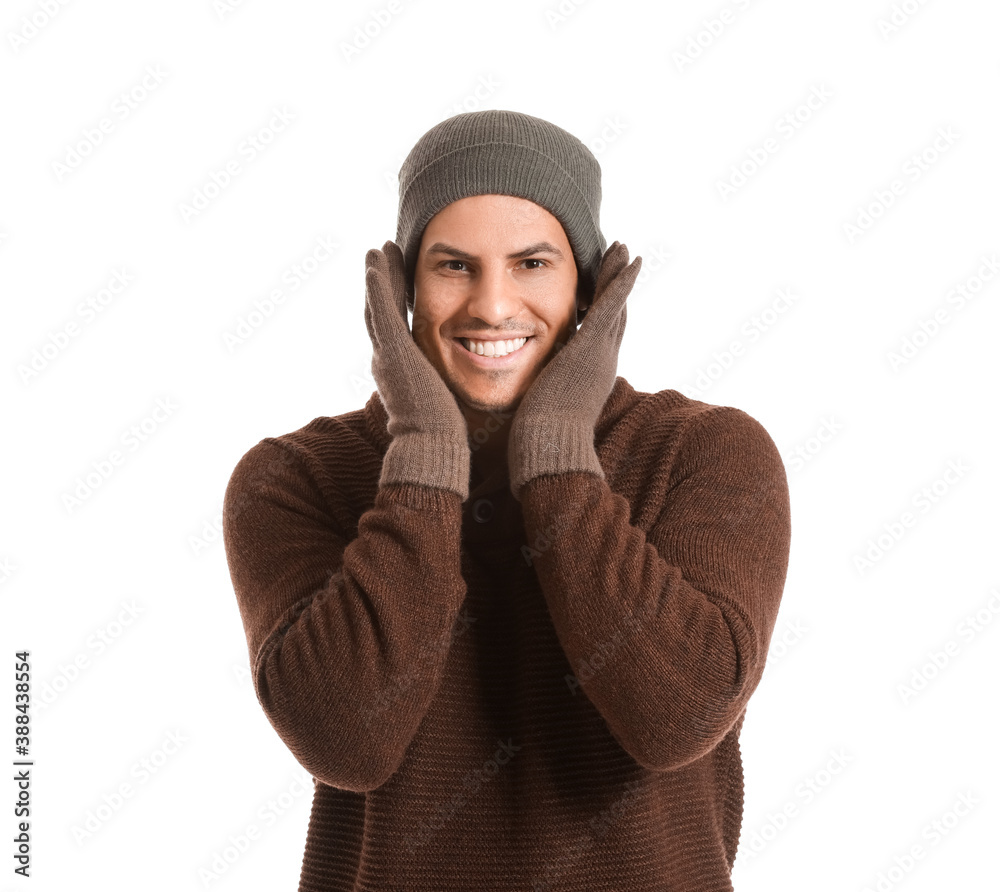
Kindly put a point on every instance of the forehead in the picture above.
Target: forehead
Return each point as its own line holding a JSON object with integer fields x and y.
{"x": 496, "y": 214}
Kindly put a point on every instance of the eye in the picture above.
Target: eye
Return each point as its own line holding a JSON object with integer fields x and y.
{"x": 535, "y": 260}
{"x": 460, "y": 262}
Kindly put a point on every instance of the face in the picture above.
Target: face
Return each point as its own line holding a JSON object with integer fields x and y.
{"x": 492, "y": 268}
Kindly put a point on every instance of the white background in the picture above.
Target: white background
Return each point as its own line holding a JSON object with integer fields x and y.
{"x": 667, "y": 131}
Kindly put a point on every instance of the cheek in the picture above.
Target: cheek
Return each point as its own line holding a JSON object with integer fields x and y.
{"x": 431, "y": 309}
{"x": 441, "y": 298}
{"x": 556, "y": 306}
{"x": 434, "y": 291}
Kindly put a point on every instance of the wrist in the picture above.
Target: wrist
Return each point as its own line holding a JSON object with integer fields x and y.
{"x": 437, "y": 459}
{"x": 553, "y": 446}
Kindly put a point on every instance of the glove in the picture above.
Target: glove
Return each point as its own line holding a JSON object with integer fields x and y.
{"x": 553, "y": 427}
{"x": 430, "y": 438}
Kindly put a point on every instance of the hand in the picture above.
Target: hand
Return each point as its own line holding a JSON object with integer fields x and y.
{"x": 430, "y": 436}
{"x": 553, "y": 428}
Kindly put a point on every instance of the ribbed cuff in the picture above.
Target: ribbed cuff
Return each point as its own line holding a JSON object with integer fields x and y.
{"x": 428, "y": 459}
{"x": 550, "y": 447}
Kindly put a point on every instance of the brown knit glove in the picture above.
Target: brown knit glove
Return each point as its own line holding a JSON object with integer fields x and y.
{"x": 430, "y": 444}
{"x": 553, "y": 428}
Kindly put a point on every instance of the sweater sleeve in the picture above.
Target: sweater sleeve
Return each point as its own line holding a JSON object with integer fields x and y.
{"x": 667, "y": 631}
{"x": 347, "y": 636}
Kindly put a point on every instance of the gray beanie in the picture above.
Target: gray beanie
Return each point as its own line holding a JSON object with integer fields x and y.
{"x": 498, "y": 152}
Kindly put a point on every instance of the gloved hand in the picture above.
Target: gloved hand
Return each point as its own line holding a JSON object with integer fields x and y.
{"x": 430, "y": 439}
{"x": 553, "y": 428}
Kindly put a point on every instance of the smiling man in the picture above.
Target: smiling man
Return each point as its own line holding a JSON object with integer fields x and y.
{"x": 511, "y": 612}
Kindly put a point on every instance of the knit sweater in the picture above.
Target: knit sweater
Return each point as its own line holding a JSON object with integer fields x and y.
{"x": 544, "y": 694}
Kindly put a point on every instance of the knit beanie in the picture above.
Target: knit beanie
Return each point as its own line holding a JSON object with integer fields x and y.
{"x": 498, "y": 152}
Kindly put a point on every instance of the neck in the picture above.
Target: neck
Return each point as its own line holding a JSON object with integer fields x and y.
{"x": 488, "y": 434}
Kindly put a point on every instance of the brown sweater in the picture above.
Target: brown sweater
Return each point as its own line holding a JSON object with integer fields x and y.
{"x": 494, "y": 695}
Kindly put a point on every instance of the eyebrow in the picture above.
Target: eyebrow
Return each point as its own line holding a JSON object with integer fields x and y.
{"x": 537, "y": 248}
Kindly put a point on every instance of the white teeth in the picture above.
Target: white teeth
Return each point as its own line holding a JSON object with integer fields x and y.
{"x": 493, "y": 348}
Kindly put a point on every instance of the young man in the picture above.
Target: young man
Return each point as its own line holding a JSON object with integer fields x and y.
{"x": 510, "y": 613}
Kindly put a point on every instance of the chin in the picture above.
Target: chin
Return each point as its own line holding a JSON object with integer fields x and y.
{"x": 493, "y": 403}
{"x": 486, "y": 401}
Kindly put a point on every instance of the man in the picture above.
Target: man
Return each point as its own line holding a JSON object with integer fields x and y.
{"x": 509, "y": 614}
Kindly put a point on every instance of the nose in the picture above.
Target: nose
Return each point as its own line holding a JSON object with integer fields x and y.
{"x": 493, "y": 295}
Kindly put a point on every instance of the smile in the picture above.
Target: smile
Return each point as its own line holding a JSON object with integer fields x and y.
{"x": 493, "y": 348}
